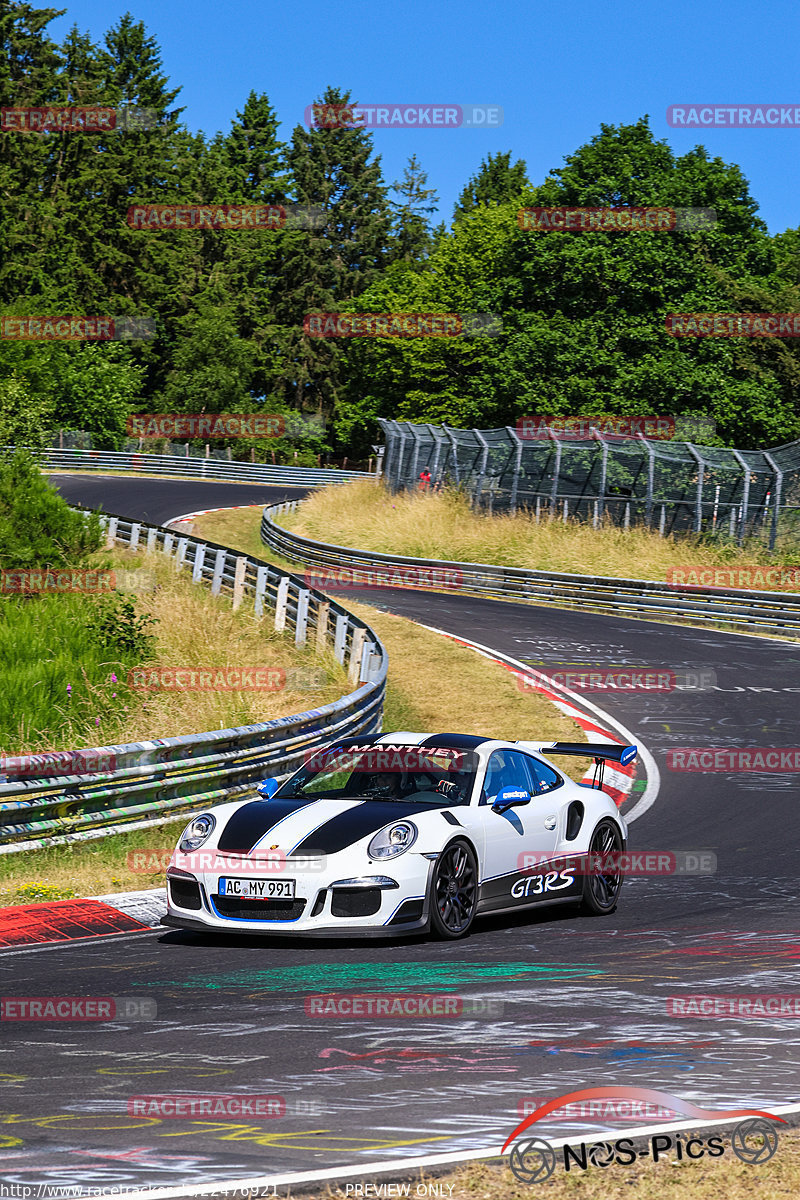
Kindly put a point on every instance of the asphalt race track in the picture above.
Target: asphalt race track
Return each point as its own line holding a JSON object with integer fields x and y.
{"x": 584, "y": 1000}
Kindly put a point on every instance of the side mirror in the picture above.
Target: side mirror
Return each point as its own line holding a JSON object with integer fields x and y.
{"x": 510, "y": 797}
{"x": 267, "y": 788}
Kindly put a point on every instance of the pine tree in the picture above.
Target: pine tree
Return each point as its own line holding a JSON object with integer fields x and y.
{"x": 321, "y": 269}
{"x": 412, "y": 212}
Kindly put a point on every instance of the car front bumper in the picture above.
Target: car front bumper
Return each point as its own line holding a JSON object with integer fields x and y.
{"x": 374, "y": 899}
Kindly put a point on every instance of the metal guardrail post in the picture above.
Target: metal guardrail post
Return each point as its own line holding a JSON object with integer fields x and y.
{"x": 323, "y": 616}
{"x": 356, "y": 654}
{"x": 199, "y": 559}
{"x": 261, "y": 589}
{"x": 111, "y": 533}
{"x": 340, "y": 638}
{"x": 238, "y": 582}
{"x": 281, "y": 604}
{"x": 219, "y": 567}
{"x": 301, "y": 628}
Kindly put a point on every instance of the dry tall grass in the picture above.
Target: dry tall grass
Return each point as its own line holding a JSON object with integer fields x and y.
{"x": 195, "y": 629}
{"x": 442, "y": 525}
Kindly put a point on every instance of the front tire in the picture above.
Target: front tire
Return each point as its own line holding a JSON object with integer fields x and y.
{"x": 601, "y": 890}
{"x": 454, "y": 891}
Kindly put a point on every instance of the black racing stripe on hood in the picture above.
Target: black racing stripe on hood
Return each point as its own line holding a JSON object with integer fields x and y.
{"x": 358, "y": 823}
{"x": 249, "y": 823}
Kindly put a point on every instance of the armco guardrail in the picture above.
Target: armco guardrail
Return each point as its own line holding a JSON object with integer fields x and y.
{"x": 194, "y": 467}
{"x": 153, "y": 780}
{"x": 750, "y": 611}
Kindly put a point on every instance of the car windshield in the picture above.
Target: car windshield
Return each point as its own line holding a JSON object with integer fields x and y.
{"x": 421, "y": 774}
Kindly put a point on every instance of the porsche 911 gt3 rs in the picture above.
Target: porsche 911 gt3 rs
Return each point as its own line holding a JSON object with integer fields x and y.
{"x": 403, "y": 833}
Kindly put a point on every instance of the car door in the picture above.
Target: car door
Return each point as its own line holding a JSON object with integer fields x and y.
{"x": 509, "y": 836}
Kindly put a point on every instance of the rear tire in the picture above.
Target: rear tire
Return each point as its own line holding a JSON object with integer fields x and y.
{"x": 601, "y": 891}
{"x": 454, "y": 891}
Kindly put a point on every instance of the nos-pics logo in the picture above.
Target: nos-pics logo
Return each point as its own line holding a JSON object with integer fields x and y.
{"x": 753, "y": 1141}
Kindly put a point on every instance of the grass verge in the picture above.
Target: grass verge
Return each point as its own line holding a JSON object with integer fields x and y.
{"x": 442, "y": 525}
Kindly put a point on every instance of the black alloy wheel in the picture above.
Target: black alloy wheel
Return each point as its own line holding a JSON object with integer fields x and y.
{"x": 454, "y": 890}
{"x": 601, "y": 888}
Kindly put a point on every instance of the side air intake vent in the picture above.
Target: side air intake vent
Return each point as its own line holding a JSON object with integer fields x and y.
{"x": 574, "y": 820}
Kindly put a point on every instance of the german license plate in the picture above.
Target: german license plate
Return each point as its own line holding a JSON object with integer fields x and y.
{"x": 257, "y": 889}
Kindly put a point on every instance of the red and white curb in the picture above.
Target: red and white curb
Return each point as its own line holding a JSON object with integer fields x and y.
{"x": 187, "y": 517}
{"x": 75, "y": 920}
{"x": 596, "y": 723}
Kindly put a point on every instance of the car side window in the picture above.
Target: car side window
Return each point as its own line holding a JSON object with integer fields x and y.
{"x": 543, "y": 777}
{"x": 506, "y": 768}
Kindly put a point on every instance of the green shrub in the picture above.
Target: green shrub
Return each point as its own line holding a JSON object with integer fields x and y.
{"x": 37, "y": 526}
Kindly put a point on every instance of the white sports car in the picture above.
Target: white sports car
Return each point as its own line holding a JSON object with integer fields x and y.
{"x": 402, "y": 833}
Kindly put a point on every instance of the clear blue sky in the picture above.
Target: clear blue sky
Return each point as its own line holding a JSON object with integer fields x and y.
{"x": 558, "y": 70}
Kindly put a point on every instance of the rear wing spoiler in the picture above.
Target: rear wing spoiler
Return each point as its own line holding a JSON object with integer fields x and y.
{"x": 624, "y": 755}
{"x": 599, "y": 751}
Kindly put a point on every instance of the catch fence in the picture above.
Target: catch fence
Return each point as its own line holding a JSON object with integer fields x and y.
{"x": 670, "y": 486}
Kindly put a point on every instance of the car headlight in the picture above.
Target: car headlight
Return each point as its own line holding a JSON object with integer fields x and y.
{"x": 197, "y": 832}
{"x": 393, "y": 840}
